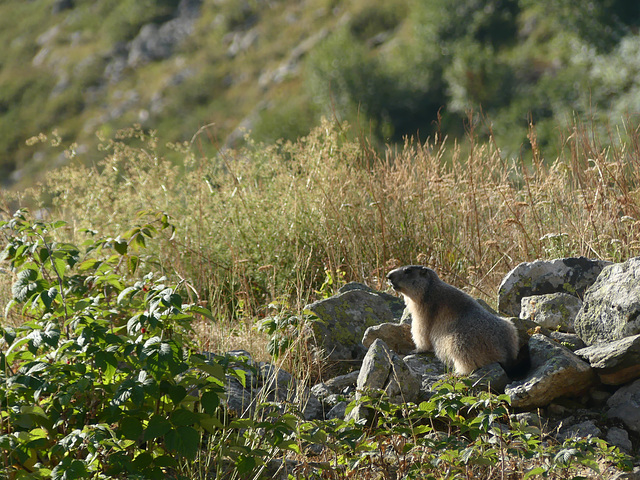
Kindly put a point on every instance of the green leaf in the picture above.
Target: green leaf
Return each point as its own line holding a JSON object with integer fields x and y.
{"x": 533, "y": 472}
{"x": 69, "y": 469}
{"x": 89, "y": 264}
{"x": 9, "y": 335}
{"x": 58, "y": 224}
{"x": 48, "y": 296}
{"x": 126, "y": 295}
{"x": 142, "y": 461}
{"x": 210, "y": 401}
{"x": 177, "y": 393}
{"x": 184, "y": 441}
{"x": 213, "y": 369}
{"x": 165, "y": 461}
{"x": 182, "y": 416}
{"x": 133, "y": 262}
{"x": 120, "y": 246}
{"x": 131, "y": 428}
{"x": 157, "y": 427}
{"x": 59, "y": 265}
{"x": 245, "y": 464}
{"x": 205, "y": 312}
{"x": 25, "y": 284}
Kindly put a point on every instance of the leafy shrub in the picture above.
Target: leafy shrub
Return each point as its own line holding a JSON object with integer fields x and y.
{"x": 101, "y": 379}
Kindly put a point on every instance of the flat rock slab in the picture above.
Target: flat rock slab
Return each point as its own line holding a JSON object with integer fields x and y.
{"x": 615, "y": 362}
{"x": 555, "y": 372}
{"x": 566, "y": 275}
{"x": 611, "y": 306}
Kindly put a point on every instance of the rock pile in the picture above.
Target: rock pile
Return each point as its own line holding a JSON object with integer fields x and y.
{"x": 581, "y": 318}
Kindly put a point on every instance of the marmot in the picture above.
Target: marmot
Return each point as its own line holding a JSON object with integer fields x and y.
{"x": 454, "y": 325}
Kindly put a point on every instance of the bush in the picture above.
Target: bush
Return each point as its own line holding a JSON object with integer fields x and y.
{"x": 100, "y": 380}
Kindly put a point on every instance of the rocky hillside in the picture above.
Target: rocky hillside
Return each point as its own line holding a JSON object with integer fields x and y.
{"x": 85, "y": 67}
{"x": 275, "y": 67}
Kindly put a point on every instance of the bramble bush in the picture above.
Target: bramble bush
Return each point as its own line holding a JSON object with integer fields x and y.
{"x": 101, "y": 380}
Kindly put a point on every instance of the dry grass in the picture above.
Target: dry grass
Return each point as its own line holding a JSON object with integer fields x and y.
{"x": 272, "y": 224}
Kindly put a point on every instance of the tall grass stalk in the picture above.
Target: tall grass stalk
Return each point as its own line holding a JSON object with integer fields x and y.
{"x": 273, "y": 222}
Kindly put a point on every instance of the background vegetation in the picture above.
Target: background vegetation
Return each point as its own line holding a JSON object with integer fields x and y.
{"x": 276, "y": 68}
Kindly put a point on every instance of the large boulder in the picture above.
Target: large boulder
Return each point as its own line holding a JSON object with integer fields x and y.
{"x": 567, "y": 275}
{"x": 344, "y": 318}
{"x": 555, "y": 372}
{"x": 616, "y": 362}
{"x": 611, "y": 306}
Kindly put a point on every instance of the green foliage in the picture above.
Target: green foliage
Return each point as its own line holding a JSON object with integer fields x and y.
{"x": 394, "y": 69}
{"x": 101, "y": 379}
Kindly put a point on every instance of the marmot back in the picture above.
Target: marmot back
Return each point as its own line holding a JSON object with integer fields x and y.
{"x": 452, "y": 324}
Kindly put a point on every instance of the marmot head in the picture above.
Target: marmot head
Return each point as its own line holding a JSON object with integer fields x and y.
{"x": 413, "y": 281}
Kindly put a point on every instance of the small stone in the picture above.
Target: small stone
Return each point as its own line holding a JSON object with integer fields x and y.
{"x": 396, "y": 336}
{"x": 581, "y": 430}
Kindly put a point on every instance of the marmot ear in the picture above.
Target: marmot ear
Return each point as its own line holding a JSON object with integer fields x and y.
{"x": 428, "y": 272}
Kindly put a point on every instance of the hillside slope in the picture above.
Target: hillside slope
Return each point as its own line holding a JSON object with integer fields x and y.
{"x": 275, "y": 67}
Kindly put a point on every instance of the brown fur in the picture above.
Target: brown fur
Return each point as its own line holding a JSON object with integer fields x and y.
{"x": 452, "y": 324}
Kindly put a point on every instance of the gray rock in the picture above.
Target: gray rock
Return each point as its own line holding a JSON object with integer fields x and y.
{"x": 569, "y": 340}
{"x": 632, "y": 475}
{"x": 490, "y": 376}
{"x": 625, "y": 405}
{"x": 616, "y": 362}
{"x": 555, "y": 311}
{"x": 158, "y": 42}
{"x": 383, "y": 370}
{"x": 340, "y": 383}
{"x": 61, "y": 5}
{"x": 425, "y": 364}
{"x": 238, "y": 399}
{"x": 620, "y": 438}
{"x": 396, "y": 336}
{"x": 343, "y": 320}
{"x": 396, "y": 304}
{"x": 611, "y": 307}
{"x": 336, "y": 385}
{"x": 568, "y": 275}
{"x": 338, "y": 411}
{"x": 580, "y": 430}
{"x": 555, "y": 372}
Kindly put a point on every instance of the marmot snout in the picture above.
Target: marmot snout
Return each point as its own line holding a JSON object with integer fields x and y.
{"x": 452, "y": 324}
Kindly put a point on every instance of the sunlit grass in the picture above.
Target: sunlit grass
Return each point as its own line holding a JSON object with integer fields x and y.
{"x": 273, "y": 222}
